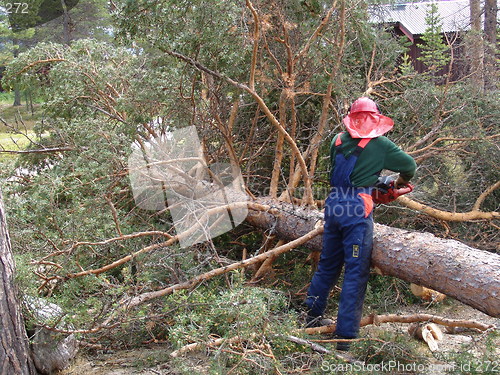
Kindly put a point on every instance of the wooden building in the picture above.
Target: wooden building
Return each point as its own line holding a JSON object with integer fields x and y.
{"x": 409, "y": 20}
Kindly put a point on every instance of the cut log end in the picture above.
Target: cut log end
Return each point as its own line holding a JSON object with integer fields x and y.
{"x": 428, "y": 332}
{"x": 427, "y": 294}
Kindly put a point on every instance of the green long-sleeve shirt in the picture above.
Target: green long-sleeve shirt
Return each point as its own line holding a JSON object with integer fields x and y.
{"x": 380, "y": 153}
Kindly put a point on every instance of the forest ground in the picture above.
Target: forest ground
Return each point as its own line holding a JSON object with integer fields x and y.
{"x": 467, "y": 348}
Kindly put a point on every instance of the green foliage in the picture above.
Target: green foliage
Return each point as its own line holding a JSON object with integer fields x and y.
{"x": 390, "y": 345}
{"x": 388, "y": 294}
{"x": 406, "y": 65}
{"x": 43, "y": 20}
{"x": 6, "y": 97}
{"x": 23, "y": 17}
{"x": 255, "y": 315}
{"x": 24, "y": 272}
{"x": 187, "y": 26}
{"x": 243, "y": 311}
{"x": 456, "y": 170}
{"x": 435, "y": 52}
{"x": 64, "y": 199}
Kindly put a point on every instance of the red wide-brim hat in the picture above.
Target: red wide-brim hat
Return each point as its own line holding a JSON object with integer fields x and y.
{"x": 367, "y": 124}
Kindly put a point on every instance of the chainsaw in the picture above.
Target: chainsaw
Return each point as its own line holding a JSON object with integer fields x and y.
{"x": 384, "y": 190}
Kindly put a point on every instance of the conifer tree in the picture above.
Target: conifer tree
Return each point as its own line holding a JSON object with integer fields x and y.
{"x": 435, "y": 52}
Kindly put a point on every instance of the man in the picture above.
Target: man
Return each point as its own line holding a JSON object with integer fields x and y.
{"x": 357, "y": 157}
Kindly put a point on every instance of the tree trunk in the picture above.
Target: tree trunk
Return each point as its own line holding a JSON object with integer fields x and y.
{"x": 17, "y": 90}
{"x": 476, "y": 45}
{"x": 14, "y": 350}
{"x": 470, "y": 275}
{"x": 490, "y": 48}
{"x": 66, "y": 23}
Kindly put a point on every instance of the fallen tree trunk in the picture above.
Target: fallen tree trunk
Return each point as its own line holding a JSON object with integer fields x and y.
{"x": 469, "y": 275}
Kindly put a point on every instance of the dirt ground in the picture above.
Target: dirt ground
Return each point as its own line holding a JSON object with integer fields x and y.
{"x": 155, "y": 360}
{"x": 125, "y": 362}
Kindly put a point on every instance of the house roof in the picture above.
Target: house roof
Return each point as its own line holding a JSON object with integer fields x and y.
{"x": 454, "y": 15}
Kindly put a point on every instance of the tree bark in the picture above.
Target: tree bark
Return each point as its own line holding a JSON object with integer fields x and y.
{"x": 476, "y": 44}
{"x": 14, "y": 349}
{"x": 469, "y": 275}
{"x": 17, "y": 90}
{"x": 490, "y": 34}
{"x": 66, "y": 23}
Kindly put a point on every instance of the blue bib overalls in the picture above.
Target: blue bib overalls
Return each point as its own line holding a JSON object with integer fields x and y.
{"x": 347, "y": 239}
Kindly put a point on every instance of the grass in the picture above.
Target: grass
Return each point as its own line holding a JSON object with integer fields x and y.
{"x": 18, "y": 118}
{"x": 14, "y": 142}
{"x": 6, "y": 97}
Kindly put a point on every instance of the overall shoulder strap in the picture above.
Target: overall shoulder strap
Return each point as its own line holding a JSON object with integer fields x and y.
{"x": 361, "y": 146}
{"x": 363, "y": 142}
{"x": 338, "y": 141}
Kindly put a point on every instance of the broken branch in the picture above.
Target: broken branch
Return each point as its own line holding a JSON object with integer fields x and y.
{"x": 256, "y": 37}
{"x": 29, "y": 66}
{"x": 137, "y": 300}
{"x": 393, "y": 318}
{"x": 475, "y": 214}
{"x": 38, "y": 151}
